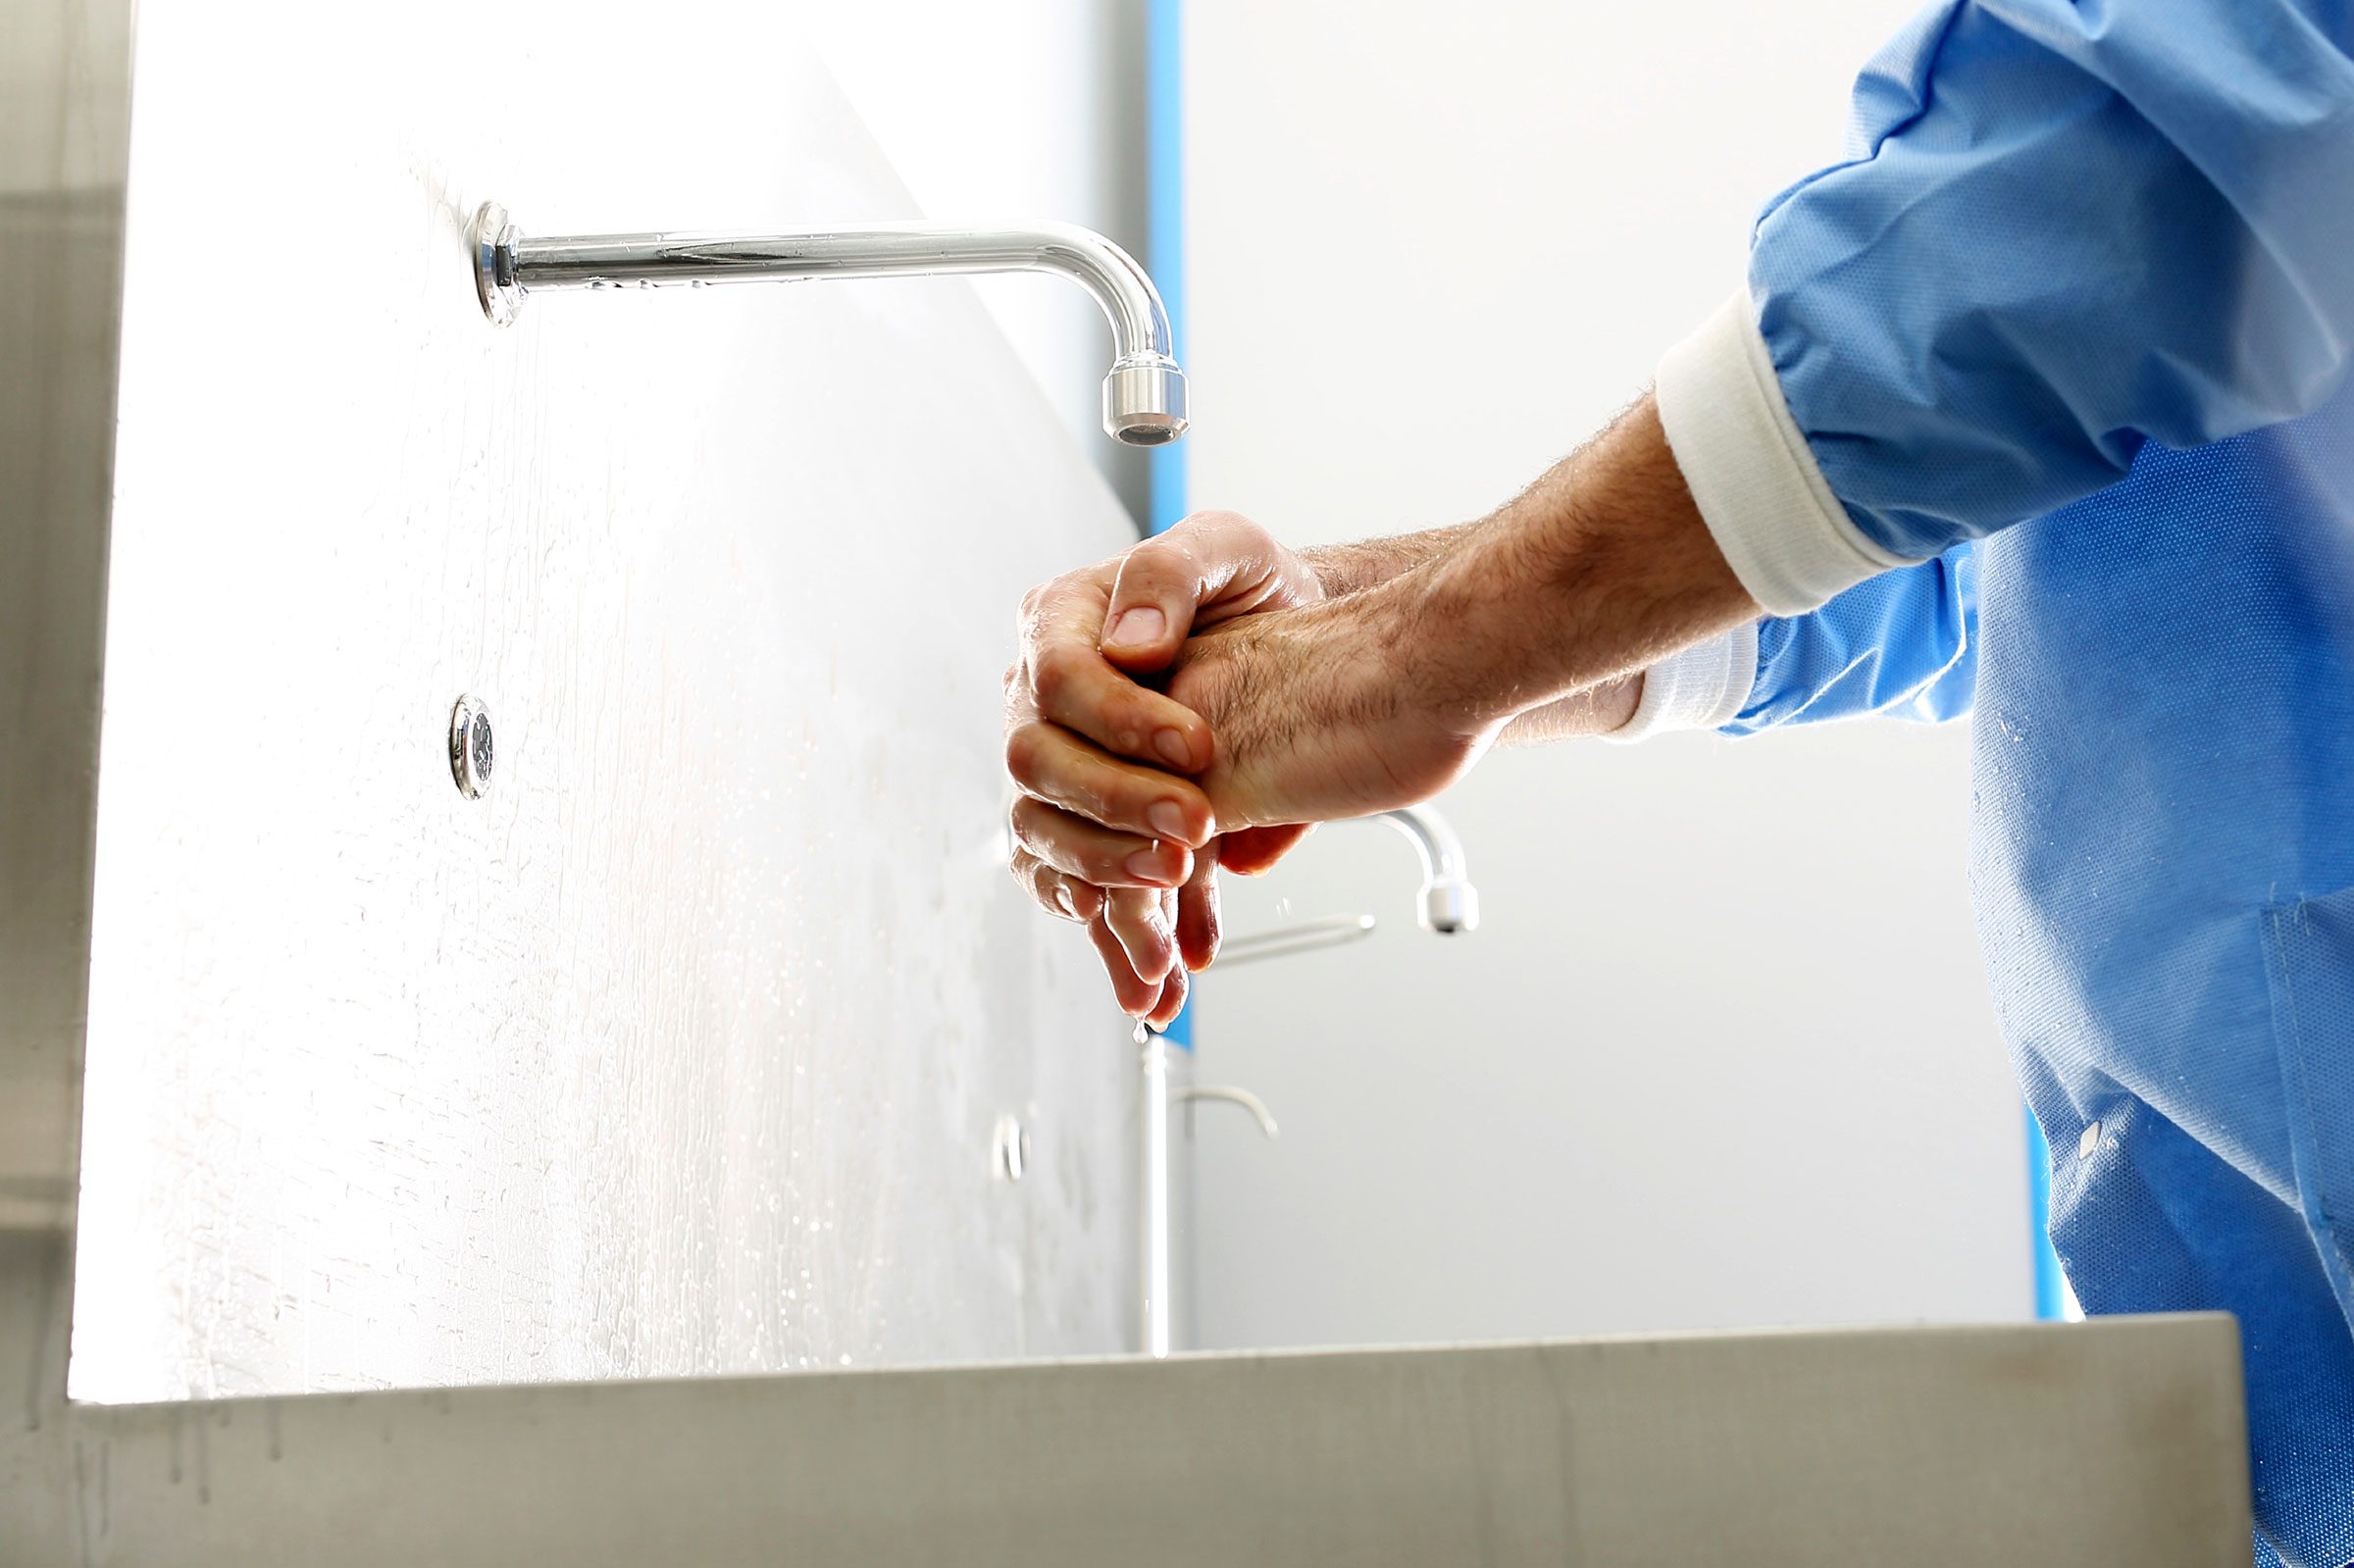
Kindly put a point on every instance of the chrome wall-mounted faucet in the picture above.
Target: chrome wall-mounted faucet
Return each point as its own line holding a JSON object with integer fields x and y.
{"x": 1447, "y": 903}
{"x": 1143, "y": 393}
{"x": 1450, "y": 903}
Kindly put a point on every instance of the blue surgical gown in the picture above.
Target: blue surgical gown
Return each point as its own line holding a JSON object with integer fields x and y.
{"x": 2069, "y": 329}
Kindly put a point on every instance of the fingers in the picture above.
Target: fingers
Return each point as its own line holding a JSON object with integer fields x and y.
{"x": 1127, "y": 917}
{"x": 1064, "y": 896}
{"x": 1135, "y": 921}
{"x": 1198, "y": 924}
{"x": 1073, "y": 686}
{"x": 1062, "y": 677}
{"x": 1074, "y": 846}
{"x": 1146, "y": 920}
{"x": 1098, "y": 839}
{"x": 1136, "y": 996}
{"x": 1061, "y": 769}
{"x": 1210, "y": 558}
{"x": 1172, "y": 998}
{"x": 1157, "y": 1000}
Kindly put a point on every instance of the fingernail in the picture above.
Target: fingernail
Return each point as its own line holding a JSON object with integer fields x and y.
{"x": 1167, "y": 819}
{"x": 1171, "y": 744}
{"x": 1144, "y": 866}
{"x": 1137, "y": 628}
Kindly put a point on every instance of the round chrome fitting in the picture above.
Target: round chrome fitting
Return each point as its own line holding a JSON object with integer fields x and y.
{"x": 470, "y": 750}
{"x": 494, "y": 283}
{"x": 1144, "y": 402}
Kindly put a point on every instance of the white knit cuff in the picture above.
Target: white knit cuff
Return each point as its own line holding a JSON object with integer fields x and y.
{"x": 1703, "y": 687}
{"x": 1781, "y": 530}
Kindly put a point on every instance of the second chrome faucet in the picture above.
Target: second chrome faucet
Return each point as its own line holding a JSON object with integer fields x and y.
{"x": 1447, "y": 903}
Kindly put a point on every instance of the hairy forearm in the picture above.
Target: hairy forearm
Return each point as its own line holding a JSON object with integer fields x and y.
{"x": 1543, "y": 613}
{"x": 1345, "y": 569}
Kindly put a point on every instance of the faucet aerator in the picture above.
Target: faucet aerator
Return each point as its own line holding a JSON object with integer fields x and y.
{"x": 1144, "y": 402}
{"x": 1450, "y": 908}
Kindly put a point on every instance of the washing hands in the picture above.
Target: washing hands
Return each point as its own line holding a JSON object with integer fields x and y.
{"x": 1200, "y": 702}
{"x": 1114, "y": 827}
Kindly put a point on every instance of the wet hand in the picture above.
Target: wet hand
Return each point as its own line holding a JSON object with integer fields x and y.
{"x": 1110, "y": 830}
{"x": 1329, "y": 710}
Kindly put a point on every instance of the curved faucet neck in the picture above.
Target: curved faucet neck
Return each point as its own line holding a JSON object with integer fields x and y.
{"x": 1145, "y": 399}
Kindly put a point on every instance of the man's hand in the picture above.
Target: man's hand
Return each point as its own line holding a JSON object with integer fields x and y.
{"x": 1108, "y": 832}
{"x": 1543, "y": 616}
{"x": 1327, "y": 711}
{"x": 1354, "y": 681}
{"x": 1537, "y": 621}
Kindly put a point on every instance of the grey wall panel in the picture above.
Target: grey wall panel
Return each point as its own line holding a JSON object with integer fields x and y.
{"x": 64, "y": 104}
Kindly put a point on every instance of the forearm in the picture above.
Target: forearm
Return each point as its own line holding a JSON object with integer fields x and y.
{"x": 1345, "y": 569}
{"x": 1545, "y": 613}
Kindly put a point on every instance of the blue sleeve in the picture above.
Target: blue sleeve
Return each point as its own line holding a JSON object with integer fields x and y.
{"x": 1904, "y": 643}
{"x": 2067, "y": 228}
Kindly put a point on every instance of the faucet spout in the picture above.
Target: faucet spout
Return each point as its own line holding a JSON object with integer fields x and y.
{"x": 1449, "y": 903}
{"x": 1143, "y": 393}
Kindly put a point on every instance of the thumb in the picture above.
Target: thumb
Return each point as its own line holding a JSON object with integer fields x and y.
{"x": 1165, "y": 583}
{"x": 1153, "y": 603}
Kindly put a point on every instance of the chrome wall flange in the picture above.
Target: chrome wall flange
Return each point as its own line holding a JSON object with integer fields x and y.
{"x": 494, "y": 281}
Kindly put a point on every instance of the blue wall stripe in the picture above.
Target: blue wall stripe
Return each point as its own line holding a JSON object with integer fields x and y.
{"x": 1164, "y": 217}
{"x": 2039, "y": 1214}
{"x": 1164, "y": 259}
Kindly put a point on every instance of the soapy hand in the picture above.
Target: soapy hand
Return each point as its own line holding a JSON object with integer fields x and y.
{"x": 1110, "y": 830}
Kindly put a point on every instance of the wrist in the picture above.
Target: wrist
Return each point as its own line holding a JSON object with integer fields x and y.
{"x": 1602, "y": 709}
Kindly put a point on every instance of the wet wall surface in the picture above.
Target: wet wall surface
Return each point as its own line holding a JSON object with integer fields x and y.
{"x": 682, "y": 1047}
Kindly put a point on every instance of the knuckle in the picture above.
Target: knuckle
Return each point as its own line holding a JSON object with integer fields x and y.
{"x": 1025, "y": 754}
{"x": 1097, "y": 801}
{"x": 1026, "y": 871}
{"x": 1054, "y": 671}
{"x": 1164, "y": 555}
